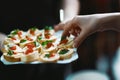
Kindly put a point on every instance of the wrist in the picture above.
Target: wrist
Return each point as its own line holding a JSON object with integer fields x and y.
{"x": 108, "y": 21}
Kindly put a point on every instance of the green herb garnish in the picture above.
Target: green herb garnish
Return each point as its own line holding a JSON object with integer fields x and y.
{"x": 48, "y": 28}
{"x": 14, "y": 32}
{"x": 9, "y": 36}
{"x": 46, "y": 42}
{"x": 8, "y": 45}
{"x": 47, "y": 55}
{"x": 10, "y": 52}
{"x": 33, "y": 28}
{"x": 63, "y": 51}
{"x": 23, "y": 40}
{"x": 36, "y": 43}
{"x": 39, "y": 37}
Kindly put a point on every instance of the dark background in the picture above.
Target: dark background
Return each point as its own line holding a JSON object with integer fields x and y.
{"x": 23, "y": 15}
{"x": 26, "y": 14}
{"x": 99, "y": 45}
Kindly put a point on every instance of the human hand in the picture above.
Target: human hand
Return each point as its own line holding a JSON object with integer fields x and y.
{"x": 83, "y": 26}
{"x": 80, "y": 27}
{"x": 59, "y": 26}
{"x": 2, "y": 37}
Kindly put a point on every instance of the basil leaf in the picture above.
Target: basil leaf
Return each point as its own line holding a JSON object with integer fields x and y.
{"x": 64, "y": 51}
{"x": 23, "y": 40}
{"x": 14, "y": 32}
{"x": 8, "y": 45}
{"x": 36, "y": 43}
{"x": 46, "y": 42}
{"x": 48, "y": 28}
{"x": 10, "y": 52}
{"x": 33, "y": 28}
{"x": 39, "y": 37}
{"x": 9, "y": 36}
{"x": 49, "y": 40}
{"x": 47, "y": 55}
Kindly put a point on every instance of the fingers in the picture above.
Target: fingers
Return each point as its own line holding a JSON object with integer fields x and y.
{"x": 71, "y": 28}
{"x": 75, "y": 31}
{"x": 65, "y": 33}
{"x": 79, "y": 39}
{"x": 67, "y": 28}
{"x": 59, "y": 27}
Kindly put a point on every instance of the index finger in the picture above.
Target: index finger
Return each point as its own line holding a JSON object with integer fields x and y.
{"x": 66, "y": 30}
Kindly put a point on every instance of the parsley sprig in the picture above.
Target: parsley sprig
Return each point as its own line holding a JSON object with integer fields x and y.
{"x": 10, "y": 52}
{"x": 48, "y": 28}
{"x": 23, "y": 40}
{"x": 64, "y": 51}
{"x": 46, "y": 42}
{"x": 14, "y": 32}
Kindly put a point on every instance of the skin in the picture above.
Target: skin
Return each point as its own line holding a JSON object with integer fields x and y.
{"x": 71, "y": 8}
{"x": 83, "y": 26}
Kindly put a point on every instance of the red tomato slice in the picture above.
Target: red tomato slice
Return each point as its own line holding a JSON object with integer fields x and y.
{"x": 19, "y": 34}
{"x": 29, "y": 51}
{"x": 49, "y": 45}
{"x": 13, "y": 38}
{"x": 13, "y": 48}
{"x": 14, "y": 52}
{"x": 30, "y": 45}
{"x": 64, "y": 41}
{"x": 52, "y": 55}
{"x": 32, "y": 32}
{"x": 47, "y": 36}
{"x": 28, "y": 38}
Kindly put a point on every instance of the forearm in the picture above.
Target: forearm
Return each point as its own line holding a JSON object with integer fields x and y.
{"x": 71, "y": 8}
{"x": 2, "y": 37}
{"x": 108, "y": 21}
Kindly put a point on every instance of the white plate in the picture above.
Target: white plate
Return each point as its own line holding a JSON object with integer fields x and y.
{"x": 58, "y": 35}
{"x": 73, "y": 58}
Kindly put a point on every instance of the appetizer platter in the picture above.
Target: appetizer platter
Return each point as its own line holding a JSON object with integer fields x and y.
{"x": 38, "y": 46}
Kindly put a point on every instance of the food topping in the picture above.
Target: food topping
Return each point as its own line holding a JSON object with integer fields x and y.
{"x": 47, "y": 28}
{"x": 29, "y": 50}
{"x": 21, "y": 43}
{"x": 14, "y": 32}
{"x": 30, "y": 45}
{"x": 64, "y": 51}
{"x": 47, "y": 35}
{"x": 13, "y": 48}
{"x": 47, "y": 44}
{"x": 32, "y": 30}
{"x": 49, "y": 55}
{"x": 19, "y": 34}
{"x": 10, "y": 52}
{"x": 28, "y": 38}
{"x": 23, "y": 40}
{"x": 64, "y": 41}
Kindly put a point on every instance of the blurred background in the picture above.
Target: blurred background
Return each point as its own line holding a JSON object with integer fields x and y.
{"x": 100, "y": 51}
